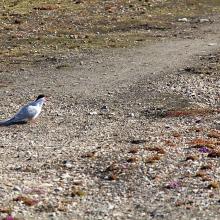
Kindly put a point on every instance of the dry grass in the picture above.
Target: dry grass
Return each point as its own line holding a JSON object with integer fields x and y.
{"x": 214, "y": 134}
{"x": 26, "y": 200}
{"x": 133, "y": 150}
{"x": 33, "y": 28}
{"x": 199, "y": 142}
{"x": 132, "y": 159}
{"x": 153, "y": 159}
{"x": 159, "y": 150}
{"x": 214, "y": 185}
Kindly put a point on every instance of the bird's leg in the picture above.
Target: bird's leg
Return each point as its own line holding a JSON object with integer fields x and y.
{"x": 33, "y": 121}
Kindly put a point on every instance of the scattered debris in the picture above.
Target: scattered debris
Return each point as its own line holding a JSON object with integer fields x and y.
{"x": 153, "y": 159}
{"x": 132, "y": 159}
{"x": 192, "y": 157}
{"x": 26, "y": 200}
{"x": 133, "y": 150}
{"x": 214, "y": 185}
{"x": 138, "y": 141}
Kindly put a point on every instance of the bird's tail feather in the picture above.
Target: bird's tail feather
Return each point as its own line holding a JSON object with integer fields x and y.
{"x": 5, "y": 122}
{"x": 11, "y": 121}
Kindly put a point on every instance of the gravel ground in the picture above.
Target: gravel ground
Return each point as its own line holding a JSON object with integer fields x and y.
{"x": 125, "y": 134}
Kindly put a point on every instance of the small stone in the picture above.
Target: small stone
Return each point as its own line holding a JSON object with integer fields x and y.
{"x": 73, "y": 36}
{"x": 198, "y": 120}
{"x": 212, "y": 44}
{"x": 18, "y": 168}
{"x": 111, "y": 206}
{"x": 52, "y": 214}
{"x": 58, "y": 189}
{"x": 203, "y": 20}
{"x": 182, "y": 19}
{"x": 93, "y": 113}
{"x": 17, "y": 188}
{"x": 67, "y": 164}
{"x": 104, "y": 108}
{"x": 131, "y": 115}
{"x": 138, "y": 141}
{"x": 217, "y": 127}
{"x": 65, "y": 176}
{"x": 118, "y": 214}
{"x": 81, "y": 63}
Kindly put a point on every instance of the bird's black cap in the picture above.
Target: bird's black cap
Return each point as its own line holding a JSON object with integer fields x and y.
{"x": 40, "y": 96}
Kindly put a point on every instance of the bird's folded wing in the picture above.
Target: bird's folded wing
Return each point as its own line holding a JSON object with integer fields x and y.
{"x": 20, "y": 117}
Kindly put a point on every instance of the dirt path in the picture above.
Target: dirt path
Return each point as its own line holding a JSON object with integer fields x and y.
{"x": 75, "y": 162}
{"x": 105, "y": 69}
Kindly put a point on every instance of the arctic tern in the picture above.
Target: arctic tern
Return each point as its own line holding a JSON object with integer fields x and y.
{"x": 27, "y": 113}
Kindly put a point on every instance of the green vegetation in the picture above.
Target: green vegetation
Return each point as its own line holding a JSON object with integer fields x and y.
{"x": 40, "y": 27}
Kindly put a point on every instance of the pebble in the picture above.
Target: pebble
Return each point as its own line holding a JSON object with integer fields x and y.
{"x": 17, "y": 168}
{"x": 111, "y": 206}
{"x": 104, "y": 108}
{"x": 217, "y": 126}
{"x": 52, "y": 215}
{"x": 167, "y": 126}
{"x": 17, "y": 188}
{"x": 183, "y": 20}
{"x": 68, "y": 164}
{"x": 93, "y": 113}
{"x": 198, "y": 120}
{"x": 58, "y": 189}
{"x": 131, "y": 115}
{"x": 212, "y": 44}
{"x": 65, "y": 175}
{"x": 203, "y": 20}
{"x": 117, "y": 214}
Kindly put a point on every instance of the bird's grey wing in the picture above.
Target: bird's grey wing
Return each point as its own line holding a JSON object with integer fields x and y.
{"x": 22, "y": 116}
{"x": 19, "y": 117}
{"x": 25, "y": 113}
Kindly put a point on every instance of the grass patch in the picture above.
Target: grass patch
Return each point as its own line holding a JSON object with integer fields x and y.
{"x": 58, "y": 26}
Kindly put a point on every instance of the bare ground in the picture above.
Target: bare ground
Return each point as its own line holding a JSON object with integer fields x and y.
{"x": 126, "y": 133}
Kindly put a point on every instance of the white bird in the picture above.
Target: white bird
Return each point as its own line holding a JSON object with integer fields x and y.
{"x": 27, "y": 113}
